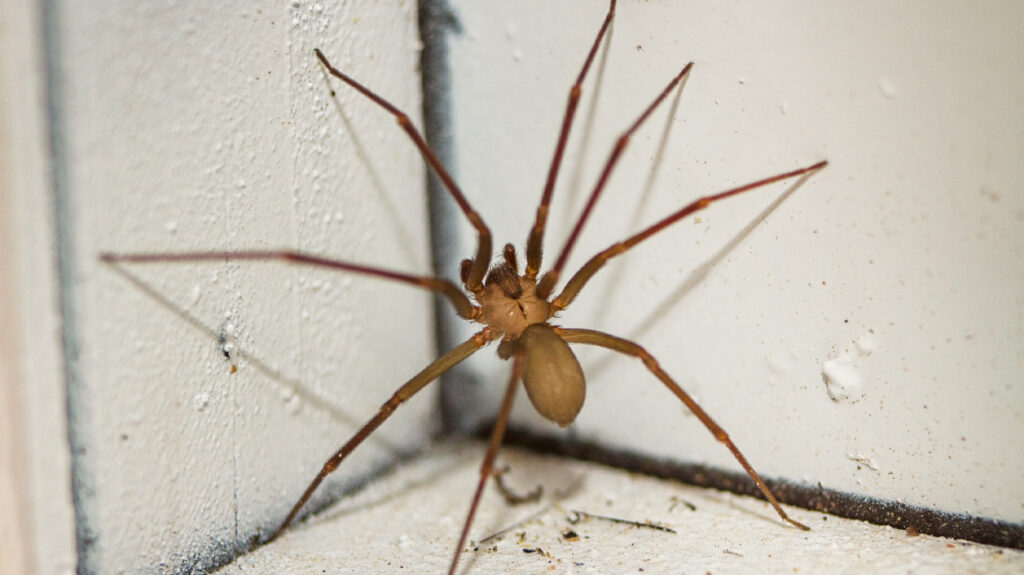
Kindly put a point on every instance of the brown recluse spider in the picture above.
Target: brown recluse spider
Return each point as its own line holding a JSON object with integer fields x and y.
{"x": 512, "y": 307}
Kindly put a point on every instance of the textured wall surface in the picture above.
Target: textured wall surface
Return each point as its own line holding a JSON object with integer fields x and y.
{"x": 213, "y": 127}
{"x": 862, "y": 332}
{"x": 865, "y": 331}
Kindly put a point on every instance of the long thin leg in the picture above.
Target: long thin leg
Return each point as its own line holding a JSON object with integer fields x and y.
{"x": 548, "y": 281}
{"x": 576, "y": 283}
{"x": 497, "y": 434}
{"x": 444, "y": 287}
{"x": 535, "y": 243}
{"x": 483, "y": 252}
{"x": 418, "y": 382}
{"x": 601, "y": 339}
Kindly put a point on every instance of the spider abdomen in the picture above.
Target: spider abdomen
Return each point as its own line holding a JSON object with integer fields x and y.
{"x": 551, "y": 374}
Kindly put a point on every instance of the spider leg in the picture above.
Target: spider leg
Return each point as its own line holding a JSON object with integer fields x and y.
{"x": 601, "y": 339}
{"x": 548, "y": 281}
{"x": 418, "y": 382}
{"x": 535, "y": 243}
{"x": 486, "y": 468}
{"x": 576, "y": 283}
{"x": 444, "y": 287}
{"x": 483, "y": 252}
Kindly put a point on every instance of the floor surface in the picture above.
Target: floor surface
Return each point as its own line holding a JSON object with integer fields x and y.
{"x": 590, "y": 519}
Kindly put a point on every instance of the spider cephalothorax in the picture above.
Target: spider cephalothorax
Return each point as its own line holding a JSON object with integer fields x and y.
{"x": 509, "y": 301}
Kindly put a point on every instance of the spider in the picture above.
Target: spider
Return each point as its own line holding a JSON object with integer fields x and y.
{"x": 514, "y": 306}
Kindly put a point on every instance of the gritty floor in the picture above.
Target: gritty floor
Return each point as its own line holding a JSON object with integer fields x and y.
{"x": 590, "y": 519}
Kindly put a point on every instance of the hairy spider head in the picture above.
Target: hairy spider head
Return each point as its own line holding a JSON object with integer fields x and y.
{"x": 508, "y": 301}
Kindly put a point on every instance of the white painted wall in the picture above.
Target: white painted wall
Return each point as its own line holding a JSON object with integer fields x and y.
{"x": 198, "y": 127}
{"x": 895, "y": 272}
{"x": 37, "y": 528}
{"x": 202, "y": 126}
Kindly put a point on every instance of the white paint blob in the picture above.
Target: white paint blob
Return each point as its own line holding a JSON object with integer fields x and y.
{"x": 844, "y": 376}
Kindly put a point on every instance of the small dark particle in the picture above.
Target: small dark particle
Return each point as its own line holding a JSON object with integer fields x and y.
{"x": 731, "y": 552}
{"x": 676, "y": 501}
{"x": 570, "y": 535}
